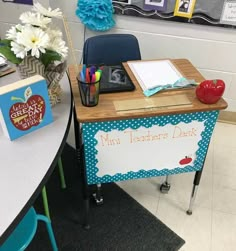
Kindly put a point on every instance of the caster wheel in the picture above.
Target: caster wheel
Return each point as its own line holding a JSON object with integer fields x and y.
{"x": 98, "y": 201}
{"x": 165, "y": 187}
{"x": 189, "y": 212}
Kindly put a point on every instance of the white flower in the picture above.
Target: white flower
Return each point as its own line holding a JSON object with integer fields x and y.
{"x": 56, "y": 42}
{"x": 12, "y": 33}
{"x": 34, "y": 39}
{"x": 58, "y": 45}
{"x": 35, "y": 19}
{"x": 54, "y": 33}
{"x": 19, "y": 50}
{"x": 47, "y": 12}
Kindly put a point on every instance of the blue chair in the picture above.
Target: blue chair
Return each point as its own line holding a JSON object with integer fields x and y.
{"x": 23, "y": 234}
{"x": 110, "y": 49}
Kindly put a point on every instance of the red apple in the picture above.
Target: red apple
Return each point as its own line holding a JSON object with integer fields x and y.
{"x": 210, "y": 91}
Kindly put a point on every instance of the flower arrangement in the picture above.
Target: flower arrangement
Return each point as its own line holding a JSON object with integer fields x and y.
{"x": 36, "y": 47}
{"x": 35, "y": 38}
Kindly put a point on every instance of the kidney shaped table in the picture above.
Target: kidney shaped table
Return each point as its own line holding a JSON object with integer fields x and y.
{"x": 27, "y": 162}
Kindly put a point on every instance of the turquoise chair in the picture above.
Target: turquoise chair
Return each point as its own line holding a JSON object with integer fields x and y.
{"x": 44, "y": 191}
{"x": 23, "y": 234}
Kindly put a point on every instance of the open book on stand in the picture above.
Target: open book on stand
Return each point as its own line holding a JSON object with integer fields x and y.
{"x": 151, "y": 74}
{"x": 24, "y": 106}
{"x": 156, "y": 75}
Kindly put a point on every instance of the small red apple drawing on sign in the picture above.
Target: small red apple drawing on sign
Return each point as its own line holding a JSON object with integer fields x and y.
{"x": 185, "y": 160}
{"x": 29, "y": 112}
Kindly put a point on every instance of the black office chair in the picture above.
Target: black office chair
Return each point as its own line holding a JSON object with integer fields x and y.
{"x": 110, "y": 49}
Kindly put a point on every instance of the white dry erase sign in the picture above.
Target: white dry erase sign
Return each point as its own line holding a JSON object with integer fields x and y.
{"x": 143, "y": 145}
{"x": 228, "y": 15}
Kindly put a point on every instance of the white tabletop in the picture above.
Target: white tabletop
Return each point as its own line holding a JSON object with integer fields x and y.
{"x": 25, "y": 161}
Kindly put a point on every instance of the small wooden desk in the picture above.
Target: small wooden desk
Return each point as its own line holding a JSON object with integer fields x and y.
{"x": 103, "y": 129}
{"x": 27, "y": 162}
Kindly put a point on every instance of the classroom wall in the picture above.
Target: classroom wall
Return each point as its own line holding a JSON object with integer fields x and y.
{"x": 212, "y": 50}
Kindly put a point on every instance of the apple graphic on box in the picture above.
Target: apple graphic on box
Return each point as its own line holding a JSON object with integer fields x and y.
{"x": 25, "y": 115}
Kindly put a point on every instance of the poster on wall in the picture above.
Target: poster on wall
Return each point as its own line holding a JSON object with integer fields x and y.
{"x": 30, "y": 2}
{"x": 160, "y": 5}
{"x": 184, "y": 8}
{"x": 228, "y": 15}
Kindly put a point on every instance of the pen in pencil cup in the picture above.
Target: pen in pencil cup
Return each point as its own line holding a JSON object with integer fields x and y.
{"x": 82, "y": 76}
{"x": 88, "y": 81}
{"x": 93, "y": 89}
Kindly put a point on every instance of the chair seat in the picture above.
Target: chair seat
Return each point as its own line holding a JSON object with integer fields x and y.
{"x": 23, "y": 233}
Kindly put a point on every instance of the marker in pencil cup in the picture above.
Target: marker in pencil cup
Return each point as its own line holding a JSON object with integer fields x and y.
{"x": 89, "y": 84}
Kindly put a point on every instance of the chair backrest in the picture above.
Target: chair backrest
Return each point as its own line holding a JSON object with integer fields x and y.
{"x": 111, "y": 49}
{"x": 24, "y": 232}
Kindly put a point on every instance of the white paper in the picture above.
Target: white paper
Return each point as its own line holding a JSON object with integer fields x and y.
{"x": 151, "y": 74}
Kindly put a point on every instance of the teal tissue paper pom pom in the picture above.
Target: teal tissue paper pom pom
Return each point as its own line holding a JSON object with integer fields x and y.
{"x": 96, "y": 14}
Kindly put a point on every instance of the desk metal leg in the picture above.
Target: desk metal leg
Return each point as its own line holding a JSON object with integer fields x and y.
{"x": 81, "y": 164}
{"x": 196, "y": 182}
{"x": 194, "y": 190}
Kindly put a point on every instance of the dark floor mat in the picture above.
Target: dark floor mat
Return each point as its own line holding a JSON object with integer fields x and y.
{"x": 120, "y": 224}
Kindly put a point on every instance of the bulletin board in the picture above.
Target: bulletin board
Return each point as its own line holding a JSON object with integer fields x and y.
{"x": 220, "y": 13}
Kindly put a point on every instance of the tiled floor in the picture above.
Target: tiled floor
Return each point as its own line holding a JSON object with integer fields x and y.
{"x": 212, "y": 226}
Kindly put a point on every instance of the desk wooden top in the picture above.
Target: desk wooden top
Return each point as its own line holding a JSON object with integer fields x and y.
{"x": 105, "y": 110}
